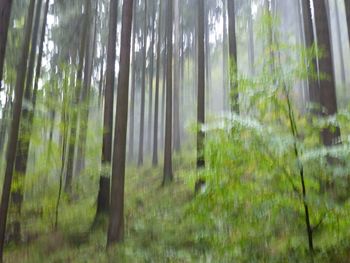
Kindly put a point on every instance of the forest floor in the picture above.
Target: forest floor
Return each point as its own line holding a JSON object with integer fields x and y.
{"x": 154, "y": 228}
{"x": 236, "y": 222}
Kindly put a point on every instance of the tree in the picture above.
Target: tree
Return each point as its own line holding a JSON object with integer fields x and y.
{"x": 16, "y": 117}
{"x": 309, "y": 42}
{"x": 201, "y": 85}
{"x": 339, "y": 42}
{"x": 224, "y": 54}
{"x": 177, "y": 72}
{"x": 168, "y": 168}
{"x": 150, "y": 79}
{"x": 109, "y": 90}
{"x": 132, "y": 91}
{"x": 156, "y": 97}
{"x": 327, "y": 90}
{"x": 5, "y": 13}
{"x": 232, "y": 54}
{"x": 143, "y": 90}
{"x": 76, "y": 98}
{"x": 25, "y": 127}
{"x": 116, "y": 219}
{"x": 251, "y": 55}
{"x": 85, "y": 93}
{"x": 347, "y": 9}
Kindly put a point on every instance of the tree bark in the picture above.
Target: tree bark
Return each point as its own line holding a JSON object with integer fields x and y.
{"x": 176, "y": 107}
{"x": 76, "y": 101}
{"x": 14, "y": 132}
{"x": 251, "y": 53}
{"x": 85, "y": 95}
{"x": 132, "y": 92}
{"x": 327, "y": 89}
{"x": 101, "y": 80}
{"x": 168, "y": 169}
{"x": 347, "y": 9}
{"x": 109, "y": 90}
{"x": 116, "y": 220}
{"x": 25, "y": 128}
{"x": 224, "y": 56}
{"x": 164, "y": 62}
{"x": 340, "y": 45}
{"x": 156, "y": 97}
{"x": 143, "y": 90}
{"x": 201, "y": 85}
{"x": 232, "y": 55}
{"x": 151, "y": 73}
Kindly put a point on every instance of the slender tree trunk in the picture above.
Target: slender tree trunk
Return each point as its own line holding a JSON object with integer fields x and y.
{"x": 162, "y": 118}
{"x": 201, "y": 85}
{"x": 64, "y": 141}
{"x": 301, "y": 36}
{"x": 85, "y": 95}
{"x": 109, "y": 90}
{"x": 14, "y": 132}
{"x": 327, "y": 85}
{"x": 270, "y": 39}
{"x": 132, "y": 91}
{"x": 181, "y": 77}
{"x": 151, "y": 73}
{"x": 143, "y": 90}
{"x": 156, "y": 97}
{"x": 224, "y": 56}
{"x": 340, "y": 45}
{"x": 314, "y": 95}
{"x": 101, "y": 82}
{"x": 176, "y": 107}
{"x": 4, "y": 123}
{"x": 251, "y": 53}
{"x": 168, "y": 169}
{"x": 232, "y": 55}
{"x": 116, "y": 220}
{"x": 207, "y": 58}
{"x": 5, "y": 14}
{"x": 25, "y": 130}
{"x": 76, "y": 101}
{"x": 347, "y": 9}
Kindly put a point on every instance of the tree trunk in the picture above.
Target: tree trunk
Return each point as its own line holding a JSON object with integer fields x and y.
{"x": 64, "y": 141}
{"x": 251, "y": 55}
{"x": 327, "y": 85}
{"x": 162, "y": 118}
{"x": 25, "y": 128}
{"x": 101, "y": 82}
{"x": 85, "y": 95}
{"x": 14, "y": 132}
{"x": 176, "y": 76}
{"x": 5, "y": 14}
{"x": 207, "y": 57}
{"x": 143, "y": 90}
{"x": 76, "y": 101}
{"x": 347, "y": 9}
{"x": 156, "y": 97}
{"x": 224, "y": 57}
{"x": 168, "y": 169}
{"x": 340, "y": 45}
{"x": 314, "y": 95}
{"x": 151, "y": 71}
{"x": 116, "y": 220}
{"x": 132, "y": 93}
{"x": 201, "y": 85}
{"x": 109, "y": 90}
{"x": 232, "y": 55}
{"x": 270, "y": 40}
